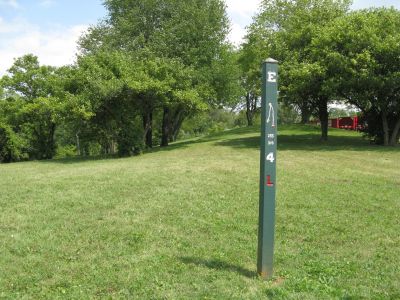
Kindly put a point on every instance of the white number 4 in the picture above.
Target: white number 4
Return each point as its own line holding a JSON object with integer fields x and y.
{"x": 270, "y": 157}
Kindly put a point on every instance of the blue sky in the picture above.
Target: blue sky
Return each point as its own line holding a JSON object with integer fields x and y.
{"x": 49, "y": 12}
{"x": 50, "y": 28}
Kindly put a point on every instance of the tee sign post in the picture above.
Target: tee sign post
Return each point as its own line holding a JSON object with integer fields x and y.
{"x": 269, "y": 114}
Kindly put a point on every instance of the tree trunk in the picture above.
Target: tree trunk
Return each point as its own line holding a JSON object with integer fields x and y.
{"x": 78, "y": 144}
{"x": 385, "y": 125}
{"x": 165, "y": 128}
{"x": 395, "y": 134}
{"x": 176, "y": 121}
{"x": 249, "y": 112}
{"x": 148, "y": 129}
{"x": 177, "y": 125}
{"x": 323, "y": 117}
{"x": 149, "y": 135}
{"x": 305, "y": 115}
{"x": 51, "y": 146}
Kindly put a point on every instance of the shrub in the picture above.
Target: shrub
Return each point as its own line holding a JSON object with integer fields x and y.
{"x": 372, "y": 125}
{"x": 66, "y": 151}
{"x": 11, "y": 145}
{"x": 130, "y": 140}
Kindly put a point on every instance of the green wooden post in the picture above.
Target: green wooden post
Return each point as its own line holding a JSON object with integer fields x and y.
{"x": 266, "y": 227}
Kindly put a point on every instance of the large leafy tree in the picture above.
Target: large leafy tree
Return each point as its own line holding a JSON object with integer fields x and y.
{"x": 98, "y": 83}
{"x": 189, "y": 35}
{"x": 285, "y": 29}
{"x": 251, "y": 54}
{"x": 33, "y": 105}
{"x": 29, "y": 79}
{"x": 362, "y": 53}
{"x": 120, "y": 88}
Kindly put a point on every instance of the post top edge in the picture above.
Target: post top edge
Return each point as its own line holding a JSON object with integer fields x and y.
{"x": 271, "y": 61}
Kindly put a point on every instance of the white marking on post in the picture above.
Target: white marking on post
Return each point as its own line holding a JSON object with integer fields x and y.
{"x": 271, "y": 115}
{"x": 271, "y": 77}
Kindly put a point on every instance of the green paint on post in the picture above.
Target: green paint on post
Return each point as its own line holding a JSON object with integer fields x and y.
{"x": 266, "y": 227}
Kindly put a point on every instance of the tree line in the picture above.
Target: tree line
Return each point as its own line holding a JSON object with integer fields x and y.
{"x": 150, "y": 66}
{"x": 140, "y": 73}
{"x": 329, "y": 53}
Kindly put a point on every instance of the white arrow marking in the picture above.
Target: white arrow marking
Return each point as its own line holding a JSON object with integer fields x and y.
{"x": 271, "y": 115}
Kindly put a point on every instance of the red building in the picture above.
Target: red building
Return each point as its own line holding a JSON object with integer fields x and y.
{"x": 350, "y": 123}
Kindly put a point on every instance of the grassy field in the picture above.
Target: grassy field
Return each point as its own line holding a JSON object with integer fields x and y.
{"x": 181, "y": 223}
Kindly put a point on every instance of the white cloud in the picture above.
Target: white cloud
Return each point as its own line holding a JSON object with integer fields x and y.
{"x": 237, "y": 33}
{"x": 54, "y": 47}
{"x": 17, "y": 25}
{"x": 240, "y": 13}
{"x": 57, "y": 46}
{"x": 359, "y": 4}
{"x": 12, "y": 3}
{"x": 245, "y": 9}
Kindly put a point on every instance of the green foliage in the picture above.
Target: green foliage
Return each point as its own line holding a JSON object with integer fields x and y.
{"x": 361, "y": 51}
{"x": 38, "y": 124}
{"x": 212, "y": 121}
{"x": 34, "y": 105}
{"x": 226, "y": 78}
{"x": 12, "y": 146}
{"x": 285, "y": 30}
{"x": 373, "y": 127}
{"x": 287, "y": 114}
{"x": 129, "y": 141}
{"x": 35, "y": 122}
{"x": 183, "y": 31}
{"x": 301, "y": 84}
{"x": 168, "y": 59}
{"x": 241, "y": 119}
{"x": 120, "y": 88}
{"x": 65, "y": 151}
{"x": 153, "y": 70}
{"x": 251, "y": 55}
{"x": 188, "y": 30}
{"x": 335, "y": 112}
{"x": 27, "y": 78}
{"x": 174, "y": 55}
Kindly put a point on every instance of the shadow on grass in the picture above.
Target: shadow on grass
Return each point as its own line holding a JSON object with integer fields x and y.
{"x": 217, "y": 264}
{"x": 173, "y": 146}
{"x": 203, "y": 139}
{"x": 79, "y": 159}
{"x": 310, "y": 142}
{"x": 308, "y": 139}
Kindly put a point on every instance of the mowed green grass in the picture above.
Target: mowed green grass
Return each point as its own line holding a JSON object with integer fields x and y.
{"x": 181, "y": 223}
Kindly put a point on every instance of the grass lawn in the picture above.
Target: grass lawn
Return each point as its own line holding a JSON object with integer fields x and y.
{"x": 181, "y": 223}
